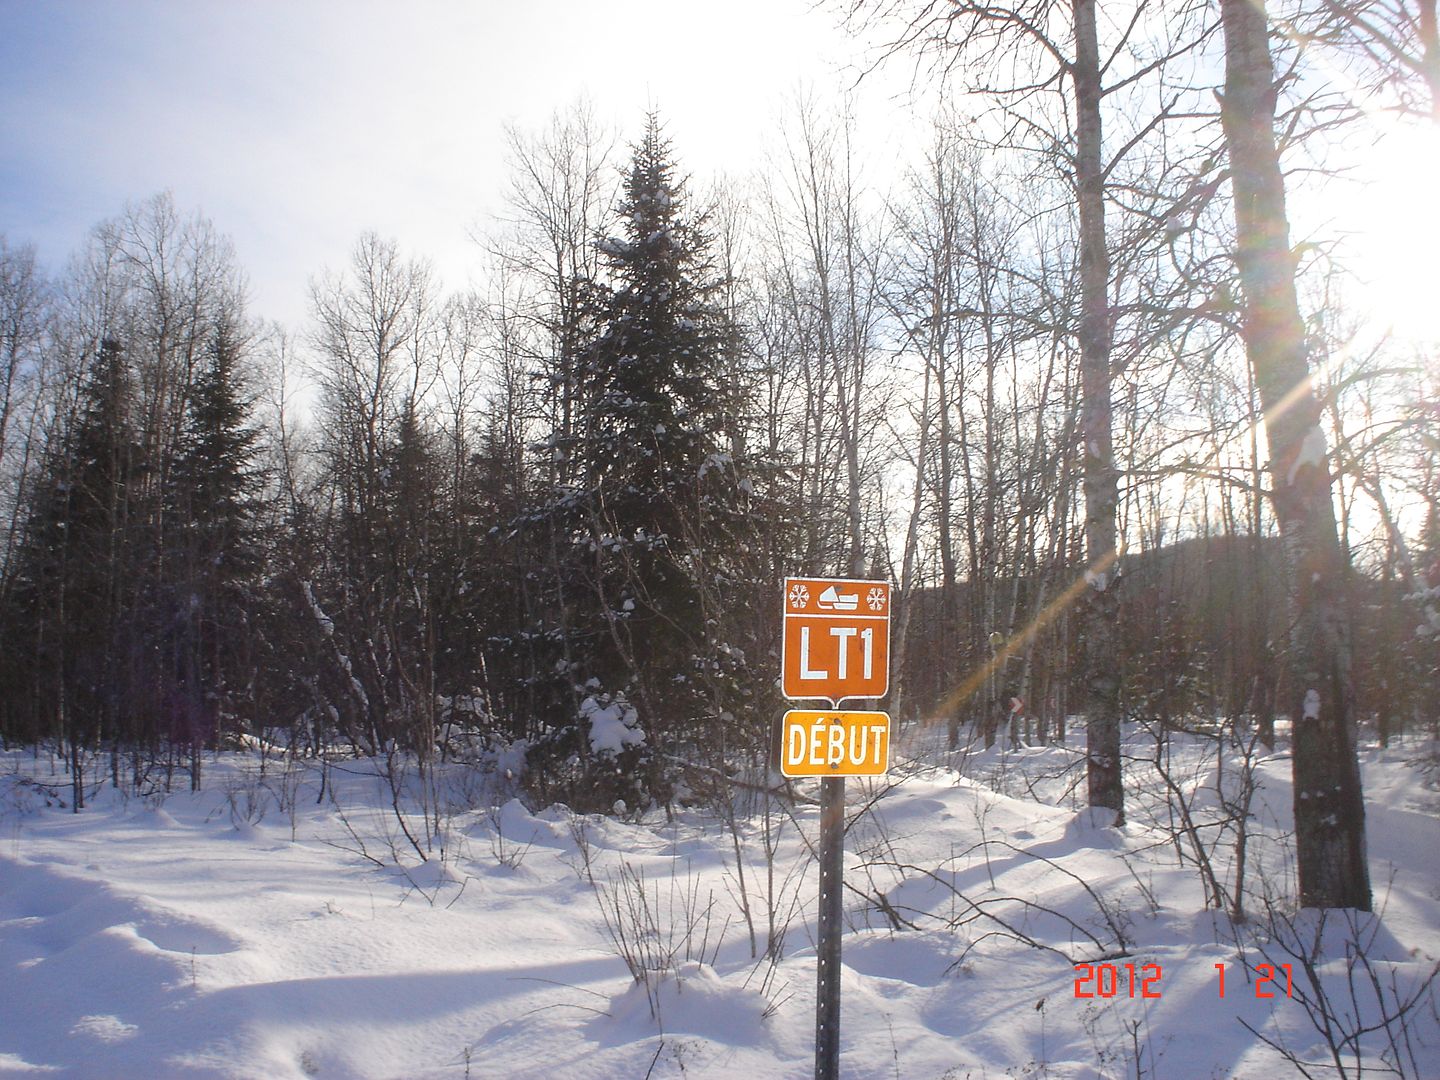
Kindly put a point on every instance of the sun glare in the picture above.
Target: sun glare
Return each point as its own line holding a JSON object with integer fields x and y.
{"x": 1397, "y": 241}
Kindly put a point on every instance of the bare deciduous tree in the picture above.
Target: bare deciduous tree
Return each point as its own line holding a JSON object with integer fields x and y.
{"x": 1329, "y": 808}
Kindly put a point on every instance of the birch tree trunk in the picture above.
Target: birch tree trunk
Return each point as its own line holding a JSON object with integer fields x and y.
{"x": 1329, "y": 808}
{"x": 1101, "y": 615}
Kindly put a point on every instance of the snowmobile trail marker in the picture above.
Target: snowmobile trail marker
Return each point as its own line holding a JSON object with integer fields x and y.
{"x": 835, "y": 644}
{"x": 836, "y": 639}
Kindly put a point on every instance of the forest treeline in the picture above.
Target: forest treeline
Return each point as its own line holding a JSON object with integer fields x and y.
{"x": 549, "y": 517}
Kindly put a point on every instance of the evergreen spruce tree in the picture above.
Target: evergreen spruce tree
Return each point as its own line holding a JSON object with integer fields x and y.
{"x": 654, "y": 516}
{"x": 78, "y": 566}
{"x": 218, "y": 466}
{"x": 412, "y": 563}
{"x": 216, "y": 558}
{"x": 478, "y": 582}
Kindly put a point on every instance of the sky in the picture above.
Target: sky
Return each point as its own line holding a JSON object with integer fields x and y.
{"x": 296, "y": 126}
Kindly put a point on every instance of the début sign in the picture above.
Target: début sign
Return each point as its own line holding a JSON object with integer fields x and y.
{"x": 834, "y": 743}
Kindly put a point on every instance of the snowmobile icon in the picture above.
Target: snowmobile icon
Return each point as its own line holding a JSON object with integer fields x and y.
{"x": 830, "y": 600}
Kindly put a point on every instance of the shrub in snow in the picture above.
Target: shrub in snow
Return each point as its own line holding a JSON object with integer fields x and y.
{"x": 613, "y": 724}
{"x": 610, "y": 755}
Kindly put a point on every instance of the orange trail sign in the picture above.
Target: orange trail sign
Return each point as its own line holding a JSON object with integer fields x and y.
{"x": 836, "y": 639}
{"x": 834, "y": 743}
{"x": 835, "y": 644}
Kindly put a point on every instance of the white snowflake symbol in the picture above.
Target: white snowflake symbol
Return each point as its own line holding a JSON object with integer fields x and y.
{"x": 875, "y": 598}
{"x": 799, "y": 596}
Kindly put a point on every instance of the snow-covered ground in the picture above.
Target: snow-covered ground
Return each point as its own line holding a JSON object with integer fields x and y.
{"x": 253, "y": 931}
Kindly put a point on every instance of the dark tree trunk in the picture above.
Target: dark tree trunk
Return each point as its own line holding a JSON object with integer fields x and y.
{"x": 1329, "y": 808}
{"x": 1101, "y": 613}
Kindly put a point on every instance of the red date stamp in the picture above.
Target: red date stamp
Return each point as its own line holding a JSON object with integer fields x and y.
{"x": 1127, "y": 980}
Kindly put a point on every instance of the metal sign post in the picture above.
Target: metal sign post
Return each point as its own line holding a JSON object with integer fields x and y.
{"x": 827, "y": 974}
{"x": 836, "y": 645}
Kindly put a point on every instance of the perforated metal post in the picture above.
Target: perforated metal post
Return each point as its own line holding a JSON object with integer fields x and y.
{"x": 827, "y": 985}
